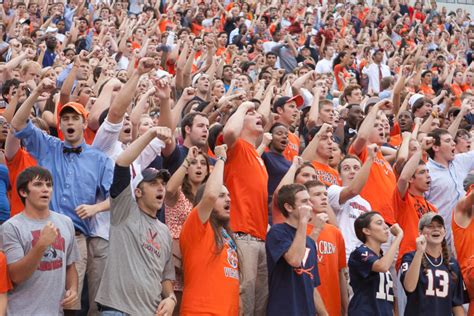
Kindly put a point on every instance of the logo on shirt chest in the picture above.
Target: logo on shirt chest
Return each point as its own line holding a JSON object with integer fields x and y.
{"x": 302, "y": 270}
{"x": 150, "y": 244}
{"x": 53, "y": 256}
{"x": 233, "y": 261}
{"x": 386, "y": 166}
{"x": 326, "y": 177}
{"x": 325, "y": 248}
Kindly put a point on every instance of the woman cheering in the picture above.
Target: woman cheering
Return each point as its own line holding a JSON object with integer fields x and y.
{"x": 430, "y": 276}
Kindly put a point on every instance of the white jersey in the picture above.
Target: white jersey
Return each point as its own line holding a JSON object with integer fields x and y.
{"x": 346, "y": 215}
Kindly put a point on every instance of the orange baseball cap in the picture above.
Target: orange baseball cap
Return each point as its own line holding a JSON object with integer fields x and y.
{"x": 77, "y": 107}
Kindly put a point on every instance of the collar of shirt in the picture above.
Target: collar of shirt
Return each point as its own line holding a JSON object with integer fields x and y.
{"x": 437, "y": 164}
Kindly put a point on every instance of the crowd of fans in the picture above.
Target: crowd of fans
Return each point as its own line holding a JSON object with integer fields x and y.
{"x": 236, "y": 157}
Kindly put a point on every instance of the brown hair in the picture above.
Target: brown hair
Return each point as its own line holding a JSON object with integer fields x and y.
{"x": 287, "y": 194}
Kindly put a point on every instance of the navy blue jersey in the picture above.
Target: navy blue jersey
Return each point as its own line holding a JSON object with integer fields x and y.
{"x": 291, "y": 289}
{"x": 373, "y": 291}
{"x": 437, "y": 292}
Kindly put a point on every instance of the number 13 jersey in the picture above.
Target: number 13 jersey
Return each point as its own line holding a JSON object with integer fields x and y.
{"x": 439, "y": 289}
{"x": 373, "y": 291}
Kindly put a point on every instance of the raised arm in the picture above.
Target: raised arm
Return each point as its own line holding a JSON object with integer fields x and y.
{"x": 384, "y": 263}
{"x": 234, "y": 125}
{"x": 463, "y": 212}
{"x": 213, "y": 189}
{"x": 124, "y": 97}
{"x": 176, "y": 180}
{"x": 289, "y": 176}
{"x": 295, "y": 254}
{"x": 314, "y": 110}
{"x": 409, "y": 170}
{"x": 412, "y": 274}
{"x": 402, "y": 154}
{"x": 366, "y": 128}
{"x": 360, "y": 179}
{"x": 128, "y": 156}
{"x": 465, "y": 108}
{"x": 21, "y": 117}
{"x": 170, "y": 118}
{"x": 309, "y": 153}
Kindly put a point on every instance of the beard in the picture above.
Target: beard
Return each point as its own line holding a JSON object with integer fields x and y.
{"x": 219, "y": 220}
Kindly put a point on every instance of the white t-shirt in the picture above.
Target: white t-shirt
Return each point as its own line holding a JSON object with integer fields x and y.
{"x": 324, "y": 66}
{"x": 346, "y": 215}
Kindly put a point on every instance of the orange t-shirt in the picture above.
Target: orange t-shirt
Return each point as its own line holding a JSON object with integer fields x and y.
{"x": 211, "y": 280}
{"x": 246, "y": 178}
{"x": 378, "y": 190}
{"x": 196, "y": 29}
{"x": 457, "y": 91}
{"x": 464, "y": 244}
{"x": 467, "y": 87}
{"x": 331, "y": 259}
{"x": 396, "y": 140}
{"x": 292, "y": 148}
{"x": 327, "y": 175}
{"x": 395, "y": 129}
{"x": 427, "y": 91}
{"x": 5, "y": 283}
{"x": 339, "y": 69}
{"x": 408, "y": 211}
{"x": 16, "y": 165}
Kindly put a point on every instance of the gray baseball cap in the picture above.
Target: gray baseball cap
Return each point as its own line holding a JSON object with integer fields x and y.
{"x": 428, "y": 218}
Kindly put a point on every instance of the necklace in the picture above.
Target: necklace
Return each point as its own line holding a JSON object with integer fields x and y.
{"x": 434, "y": 265}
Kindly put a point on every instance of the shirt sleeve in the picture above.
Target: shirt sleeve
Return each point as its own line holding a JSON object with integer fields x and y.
{"x": 169, "y": 271}
{"x": 4, "y": 174}
{"x": 466, "y": 161}
{"x": 405, "y": 265}
{"x": 63, "y": 75}
{"x": 150, "y": 152}
{"x": 72, "y": 250}
{"x": 173, "y": 161}
{"x": 361, "y": 261}
{"x": 12, "y": 245}
{"x": 334, "y": 192}
{"x": 193, "y": 229}
{"x": 105, "y": 180}
{"x": 121, "y": 195}
{"x": 277, "y": 243}
{"x": 107, "y": 137}
{"x": 37, "y": 142}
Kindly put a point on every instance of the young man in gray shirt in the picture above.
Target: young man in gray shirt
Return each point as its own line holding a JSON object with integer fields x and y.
{"x": 41, "y": 250}
{"x": 138, "y": 275}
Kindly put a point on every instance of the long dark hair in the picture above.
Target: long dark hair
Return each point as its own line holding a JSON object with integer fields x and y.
{"x": 216, "y": 224}
{"x": 186, "y": 187}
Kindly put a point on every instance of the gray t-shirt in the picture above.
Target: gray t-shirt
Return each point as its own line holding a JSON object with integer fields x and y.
{"x": 44, "y": 291}
{"x": 140, "y": 258}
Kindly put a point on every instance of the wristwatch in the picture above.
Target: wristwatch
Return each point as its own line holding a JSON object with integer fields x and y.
{"x": 222, "y": 158}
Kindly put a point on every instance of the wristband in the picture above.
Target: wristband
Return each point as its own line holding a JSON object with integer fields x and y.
{"x": 222, "y": 158}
